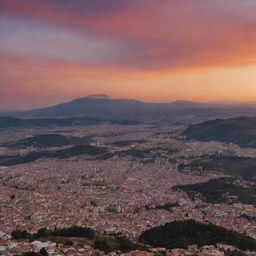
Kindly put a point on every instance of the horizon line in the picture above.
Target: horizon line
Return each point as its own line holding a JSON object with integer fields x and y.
{"x": 105, "y": 96}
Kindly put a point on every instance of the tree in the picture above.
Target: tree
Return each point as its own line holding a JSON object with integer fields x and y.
{"x": 102, "y": 245}
{"x": 20, "y": 234}
{"x": 42, "y": 232}
{"x": 44, "y": 252}
{"x": 30, "y": 254}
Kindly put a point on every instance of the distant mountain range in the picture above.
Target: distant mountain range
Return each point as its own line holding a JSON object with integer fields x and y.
{"x": 103, "y": 107}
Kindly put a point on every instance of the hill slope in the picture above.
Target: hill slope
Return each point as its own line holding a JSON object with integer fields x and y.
{"x": 241, "y": 131}
{"x": 180, "y": 234}
{"x": 9, "y": 121}
{"x": 241, "y": 167}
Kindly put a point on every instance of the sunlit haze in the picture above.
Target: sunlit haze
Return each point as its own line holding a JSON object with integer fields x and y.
{"x": 156, "y": 51}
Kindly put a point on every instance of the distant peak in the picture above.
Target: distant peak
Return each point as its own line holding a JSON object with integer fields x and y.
{"x": 182, "y": 101}
{"x": 98, "y": 96}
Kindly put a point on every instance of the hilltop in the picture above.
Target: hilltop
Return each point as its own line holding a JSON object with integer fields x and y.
{"x": 181, "y": 234}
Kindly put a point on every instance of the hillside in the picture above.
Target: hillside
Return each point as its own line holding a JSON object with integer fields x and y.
{"x": 48, "y": 140}
{"x": 75, "y": 234}
{"x": 9, "y": 121}
{"x": 241, "y": 131}
{"x": 221, "y": 190}
{"x": 181, "y": 234}
{"x": 60, "y": 154}
{"x": 243, "y": 167}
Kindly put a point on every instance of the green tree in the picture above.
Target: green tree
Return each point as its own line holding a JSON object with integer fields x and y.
{"x": 30, "y": 254}
{"x": 44, "y": 252}
{"x": 102, "y": 245}
{"x": 20, "y": 234}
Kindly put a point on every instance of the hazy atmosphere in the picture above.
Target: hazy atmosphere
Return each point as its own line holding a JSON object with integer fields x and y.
{"x": 156, "y": 51}
{"x": 127, "y": 127}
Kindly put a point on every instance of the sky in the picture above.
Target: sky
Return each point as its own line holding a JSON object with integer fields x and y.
{"x": 53, "y": 51}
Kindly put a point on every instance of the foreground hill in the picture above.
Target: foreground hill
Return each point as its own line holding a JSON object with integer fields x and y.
{"x": 177, "y": 234}
{"x": 181, "y": 234}
{"x": 241, "y": 131}
{"x": 100, "y": 241}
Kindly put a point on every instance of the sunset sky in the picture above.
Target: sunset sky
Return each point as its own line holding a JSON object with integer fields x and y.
{"x": 152, "y": 50}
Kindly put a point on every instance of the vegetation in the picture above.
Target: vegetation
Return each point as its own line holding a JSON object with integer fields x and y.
{"x": 76, "y": 150}
{"x": 100, "y": 241}
{"x": 244, "y": 167}
{"x": 221, "y": 190}
{"x": 74, "y": 232}
{"x": 102, "y": 245}
{"x": 49, "y": 140}
{"x": 62, "y": 153}
{"x": 46, "y": 140}
{"x": 20, "y": 234}
{"x": 44, "y": 232}
{"x": 241, "y": 131}
{"x": 9, "y": 121}
{"x": 118, "y": 243}
{"x": 31, "y": 254}
{"x": 181, "y": 234}
{"x": 234, "y": 253}
{"x": 42, "y": 252}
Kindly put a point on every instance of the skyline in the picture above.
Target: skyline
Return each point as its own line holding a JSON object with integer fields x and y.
{"x": 55, "y": 51}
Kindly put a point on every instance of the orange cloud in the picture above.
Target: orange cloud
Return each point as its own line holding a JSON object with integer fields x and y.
{"x": 150, "y": 50}
{"x": 162, "y": 34}
{"x": 36, "y": 83}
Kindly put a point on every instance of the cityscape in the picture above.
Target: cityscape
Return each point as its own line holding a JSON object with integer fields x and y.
{"x": 127, "y": 128}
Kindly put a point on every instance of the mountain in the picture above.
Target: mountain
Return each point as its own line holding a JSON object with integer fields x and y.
{"x": 241, "y": 131}
{"x": 101, "y": 106}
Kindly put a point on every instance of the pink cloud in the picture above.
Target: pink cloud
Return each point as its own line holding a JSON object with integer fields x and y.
{"x": 162, "y": 34}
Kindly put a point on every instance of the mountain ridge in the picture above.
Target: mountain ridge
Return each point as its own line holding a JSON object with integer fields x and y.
{"x": 102, "y": 106}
